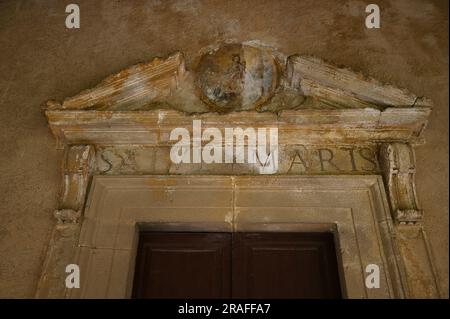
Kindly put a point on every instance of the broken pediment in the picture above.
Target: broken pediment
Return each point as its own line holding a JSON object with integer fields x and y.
{"x": 136, "y": 88}
{"x": 324, "y": 120}
{"x": 238, "y": 77}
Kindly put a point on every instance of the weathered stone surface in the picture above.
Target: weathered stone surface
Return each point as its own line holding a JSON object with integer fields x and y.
{"x": 137, "y": 87}
{"x": 293, "y": 159}
{"x": 133, "y": 160}
{"x": 77, "y": 168}
{"x": 341, "y": 86}
{"x": 60, "y": 252}
{"x": 237, "y": 76}
{"x": 351, "y": 209}
{"x": 340, "y": 135}
{"x": 295, "y": 126}
{"x": 328, "y": 159}
{"x": 67, "y": 216}
{"x": 419, "y": 264}
{"x": 399, "y": 168}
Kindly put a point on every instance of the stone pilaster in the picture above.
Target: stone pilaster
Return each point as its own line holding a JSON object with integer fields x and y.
{"x": 77, "y": 169}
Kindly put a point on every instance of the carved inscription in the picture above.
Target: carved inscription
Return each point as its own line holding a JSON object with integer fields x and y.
{"x": 133, "y": 160}
{"x": 303, "y": 159}
{"x": 293, "y": 159}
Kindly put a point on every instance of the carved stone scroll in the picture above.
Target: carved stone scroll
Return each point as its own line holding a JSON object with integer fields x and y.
{"x": 77, "y": 167}
{"x": 397, "y": 161}
{"x": 78, "y": 164}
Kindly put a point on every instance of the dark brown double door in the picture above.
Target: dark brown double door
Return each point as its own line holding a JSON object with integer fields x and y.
{"x": 236, "y": 265}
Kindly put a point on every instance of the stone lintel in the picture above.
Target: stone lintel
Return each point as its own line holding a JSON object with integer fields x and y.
{"x": 294, "y": 127}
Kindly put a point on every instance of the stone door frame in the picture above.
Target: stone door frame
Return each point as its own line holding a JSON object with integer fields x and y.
{"x": 82, "y": 165}
{"x": 354, "y": 208}
{"x": 122, "y": 127}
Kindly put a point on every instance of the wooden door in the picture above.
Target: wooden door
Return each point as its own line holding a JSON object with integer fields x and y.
{"x": 284, "y": 265}
{"x": 183, "y": 265}
{"x": 238, "y": 265}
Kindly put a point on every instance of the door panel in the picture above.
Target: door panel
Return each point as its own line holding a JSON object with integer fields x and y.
{"x": 238, "y": 265}
{"x": 183, "y": 265}
{"x": 284, "y": 265}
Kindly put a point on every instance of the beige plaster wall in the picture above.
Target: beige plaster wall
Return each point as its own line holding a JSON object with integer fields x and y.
{"x": 41, "y": 59}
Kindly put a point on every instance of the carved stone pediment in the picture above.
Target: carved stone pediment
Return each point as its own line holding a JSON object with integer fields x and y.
{"x": 328, "y": 121}
{"x": 236, "y": 77}
{"x": 327, "y": 118}
{"x": 135, "y": 88}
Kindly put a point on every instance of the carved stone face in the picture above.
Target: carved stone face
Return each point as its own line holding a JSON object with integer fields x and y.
{"x": 236, "y": 77}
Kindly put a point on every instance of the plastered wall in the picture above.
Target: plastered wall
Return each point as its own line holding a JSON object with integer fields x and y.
{"x": 41, "y": 59}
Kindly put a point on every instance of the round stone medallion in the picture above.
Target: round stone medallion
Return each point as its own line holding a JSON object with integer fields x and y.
{"x": 236, "y": 77}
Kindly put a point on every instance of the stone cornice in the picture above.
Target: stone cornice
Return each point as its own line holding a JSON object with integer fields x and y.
{"x": 295, "y": 126}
